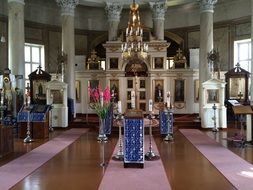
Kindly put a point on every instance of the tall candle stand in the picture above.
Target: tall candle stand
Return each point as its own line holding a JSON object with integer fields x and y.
{"x": 150, "y": 155}
{"x": 168, "y": 112}
{"x": 215, "y": 129}
{"x": 28, "y": 138}
{"x": 51, "y": 129}
{"x": 2, "y": 106}
{"x": 102, "y": 153}
{"x": 120, "y": 154}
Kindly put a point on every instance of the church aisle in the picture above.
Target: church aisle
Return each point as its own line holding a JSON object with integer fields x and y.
{"x": 78, "y": 166}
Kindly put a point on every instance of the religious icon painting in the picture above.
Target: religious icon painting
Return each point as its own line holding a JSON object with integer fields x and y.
{"x": 142, "y": 84}
{"x": 158, "y": 90}
{"x": 158, "y": 63}
{"x": 212, "y": 96}
{"x": 179, "y": 95}
{"x": 78, "y": 91}
{"x": 128, "y": 95}
{"x": 57, "y": 96}
{"x": 142, "y": 95}
{"x": 143, "y": 106}
{"x": 92, "y": 84}
{"x": 114, "y": 63}
{"x": 196, "y": 90}
{"x": 114, "y": 88}
{"x": 129, "y": 106}
{"x": 39, "y": 90}
{"x": 130, "y": 84}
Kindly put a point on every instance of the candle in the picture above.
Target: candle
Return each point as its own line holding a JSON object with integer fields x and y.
{"x": 132, "y": 99}
{"x": 102, "y": 99}
{"x": 150, "y": 105}
{"x": 168, "y": 99}
{"x": 28, "y": 100}
{"x": 119, "y": 107}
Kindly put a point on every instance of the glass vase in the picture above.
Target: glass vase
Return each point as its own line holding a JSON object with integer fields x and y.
{"x": 101, "y": 135}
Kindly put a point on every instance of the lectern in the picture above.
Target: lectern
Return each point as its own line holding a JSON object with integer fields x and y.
{"x": 134, "y": 139}
{"x": 242, "y": 111}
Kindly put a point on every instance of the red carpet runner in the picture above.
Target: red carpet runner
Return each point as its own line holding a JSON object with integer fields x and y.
{"x": 16, "y": 170}
{"x": 235, "y": 169}
{"x": 151, "y": 177}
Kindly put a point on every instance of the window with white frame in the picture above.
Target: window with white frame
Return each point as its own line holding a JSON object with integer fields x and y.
{"x": 34, "y": 57}
{"x": 242, "y": 54}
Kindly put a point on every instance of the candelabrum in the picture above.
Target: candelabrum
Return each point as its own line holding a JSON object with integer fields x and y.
{"x": 120, "y": 155}
{"x": 168, "y": 112}
{"x": 51, "y": 129}
{"x": 150, "y": 155}
{"x": 28, "y": 138}
{"x": 215, "y": 129}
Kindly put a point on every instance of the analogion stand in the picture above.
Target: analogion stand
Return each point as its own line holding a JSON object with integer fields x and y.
{"x": 134, "y": 139}
{"x": 241, "y": 111}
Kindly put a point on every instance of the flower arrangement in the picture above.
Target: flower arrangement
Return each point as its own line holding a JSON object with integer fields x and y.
{"x": 100, "y": 101}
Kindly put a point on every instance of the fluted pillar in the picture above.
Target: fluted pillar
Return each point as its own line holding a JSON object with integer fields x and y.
{"x": 206, "y": 41}
{"x": 158, "y": 12}
{"x": 68, "y": 43}
{"x": 113, "y": 11}
{"x": 16, "y": 39}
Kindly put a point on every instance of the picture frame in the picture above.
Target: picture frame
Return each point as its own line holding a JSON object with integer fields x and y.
{"x": 158, "y": 62}
{"x": 114, "y": 63}
{"x": 179, "y": 90}
{"x": 213, "y": 96}
{"x": 196, "y": 90}
{"x": 78, "y": 91}
{"x": 114, "y": 88}
{"x": 92, "y": 84}
{"x": 158, "y": 90}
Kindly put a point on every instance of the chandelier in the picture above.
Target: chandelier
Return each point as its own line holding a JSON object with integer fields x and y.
{"x": 134, "y": 46}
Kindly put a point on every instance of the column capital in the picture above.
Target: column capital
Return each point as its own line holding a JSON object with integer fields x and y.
{"x": 158, "y": 9}
{"x": 113, "y": 11}
{"x": 207, "y": 5}
{"x": 17, "y": 1}
{"x": 67, "y": 6}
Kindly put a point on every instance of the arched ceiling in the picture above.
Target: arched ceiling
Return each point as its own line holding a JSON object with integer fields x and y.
{"x": 101, "y": 3}
{"x": 126, "y": 3}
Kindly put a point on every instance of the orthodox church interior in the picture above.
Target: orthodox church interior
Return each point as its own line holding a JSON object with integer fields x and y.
{"x": 126, "y": 94}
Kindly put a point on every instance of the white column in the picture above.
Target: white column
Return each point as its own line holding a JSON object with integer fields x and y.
{"x": 206, "y": 42}
{"x": 16, "y": 39}
{"x": 158, "y": 11}
{"x": 68, "y": 43}
{"x": 113, "y": 11}
{"x": 249, "y": 117}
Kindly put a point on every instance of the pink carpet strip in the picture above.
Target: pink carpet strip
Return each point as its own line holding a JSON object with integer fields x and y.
{"x": 151, "y": 177}
{"x": 14, "y": 171}
{"x": 237, "y": 171}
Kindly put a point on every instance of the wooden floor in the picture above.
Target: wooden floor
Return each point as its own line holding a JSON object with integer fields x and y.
{"x": 78, "y": 166}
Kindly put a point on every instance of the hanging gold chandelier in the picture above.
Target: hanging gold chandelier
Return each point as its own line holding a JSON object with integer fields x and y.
{"x": 134, "y": 46}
